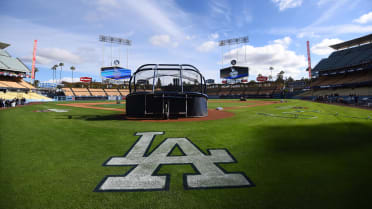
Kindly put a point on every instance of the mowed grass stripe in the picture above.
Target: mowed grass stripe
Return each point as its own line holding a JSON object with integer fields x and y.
{"x": 50, "y": 161}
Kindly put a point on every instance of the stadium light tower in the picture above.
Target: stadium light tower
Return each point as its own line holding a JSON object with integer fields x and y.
{"x": 114, "y": 40}
{"x": 234, "y": 41}
{"x": 234, "y": 73}
{"x": 271, "y": 69}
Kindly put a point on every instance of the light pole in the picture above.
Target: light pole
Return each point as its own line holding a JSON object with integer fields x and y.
{"x": 235, "y": 41}
{"x": 114, "y": 40}
{"x": 271, "y": 69}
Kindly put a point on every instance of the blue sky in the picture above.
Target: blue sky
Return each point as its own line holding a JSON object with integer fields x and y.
{"x": 180, "y": 31}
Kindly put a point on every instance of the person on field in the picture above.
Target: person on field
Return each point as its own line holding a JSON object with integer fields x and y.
{"x": 356, "y": 99}
{"x": 13, "y": 102}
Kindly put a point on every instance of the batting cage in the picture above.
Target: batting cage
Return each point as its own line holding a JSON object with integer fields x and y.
{"x": 167, "y": 90}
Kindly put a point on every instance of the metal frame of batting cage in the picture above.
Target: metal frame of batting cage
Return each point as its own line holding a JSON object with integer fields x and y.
{"x": 165, "y": 104}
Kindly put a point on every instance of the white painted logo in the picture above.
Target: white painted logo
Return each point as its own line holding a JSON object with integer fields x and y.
{"x": 143, "y": 175}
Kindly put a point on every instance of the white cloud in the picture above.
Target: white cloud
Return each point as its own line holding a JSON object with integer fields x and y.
{"x": 323, "y": 48}
{"x": 67, "y": 79}
{"x": 214, "y": 36}
{"x": 306, "y": 33}
{"x": 344, "y": 29}
{"x": 221, "y": 8}
{"x": 188, "y": 37}
{"x": 159, "y": 16}
{"x": 322, "y": 2}
{"x": 319, "y": 31}
{"x": 59, "y": 55}
{"x": 175, "y": 44}
{"x": 207, "y": 46}
{"x": 333, "y": 9}
{"x": 315, "y": 29}
{"x": 54, "y": 45}
{"x": 38, "y": 60}
{"x": 366, "y": 18}
{"x": 286, "y": 4}
{"x": 163, "y": 41}
{"x": 50, "y": 56}
{"x": 113, "y": 3}
{"x": 284, "y": 42}
{"x": 160, "y": 40}
{"x": 276, "y": 54}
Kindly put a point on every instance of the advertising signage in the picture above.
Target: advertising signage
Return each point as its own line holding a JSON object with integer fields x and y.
{"x": 86, "y": 79}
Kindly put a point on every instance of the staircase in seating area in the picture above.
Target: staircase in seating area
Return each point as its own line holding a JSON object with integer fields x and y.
{"x": 112, "y": 92}
{"x": 97, "y": 92}
{"x": 124, "y": 92}
{"x": 68, "y": 92}
{"x": 81, "y": 92}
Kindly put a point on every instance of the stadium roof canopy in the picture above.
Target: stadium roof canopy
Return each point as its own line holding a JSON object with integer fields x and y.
{"x": 353, "y": 42}
{"x": 356, "y": 57}
{"x": 8, "y": 63}
{"x": 3, "y": 45}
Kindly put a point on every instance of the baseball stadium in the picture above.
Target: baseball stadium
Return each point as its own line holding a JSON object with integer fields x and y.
{"x": 166, "y": 135}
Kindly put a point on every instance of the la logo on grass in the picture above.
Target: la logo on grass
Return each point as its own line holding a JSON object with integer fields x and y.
{"x": 143, "y": 176}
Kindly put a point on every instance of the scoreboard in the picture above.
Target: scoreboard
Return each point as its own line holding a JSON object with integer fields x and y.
{"x": 234, "y": 72}
{"x": 115, "y": 73}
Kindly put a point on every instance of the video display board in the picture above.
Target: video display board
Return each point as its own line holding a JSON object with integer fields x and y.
{"x": 115, "y": 73}
{"x": 234, "y": 72}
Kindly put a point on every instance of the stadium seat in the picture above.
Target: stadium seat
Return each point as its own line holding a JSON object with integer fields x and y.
{"x": 26, "y": 85}
{"x": 68, "y": 92}
{"x": 20, "y": 95}
{"x": 81, "y": 92}
{"x": 112, "y": 92}
{"x": 97, "y": 92}
{"x": 124, "y": 92}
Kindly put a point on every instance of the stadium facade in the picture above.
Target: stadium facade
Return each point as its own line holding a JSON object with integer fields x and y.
{"x": 346, "y": 72}
{"x": 346, "y": 75}
{"x": 12, "y": 85}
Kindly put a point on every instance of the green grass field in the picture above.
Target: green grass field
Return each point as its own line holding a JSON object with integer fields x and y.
{"x": 318, "y": 158}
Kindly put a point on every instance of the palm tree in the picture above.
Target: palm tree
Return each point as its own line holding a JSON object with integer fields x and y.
{"x": 280, "y": 77}
{"x": 54, "y": 68}
{"x": 36, "y": 83}
{"x": 36, "y": 70}
{"x": 72, "y": 68}
{"x": 60, "y": 72}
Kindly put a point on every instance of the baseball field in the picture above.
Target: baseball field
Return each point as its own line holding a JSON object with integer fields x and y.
{"x": 296, "y": 154}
